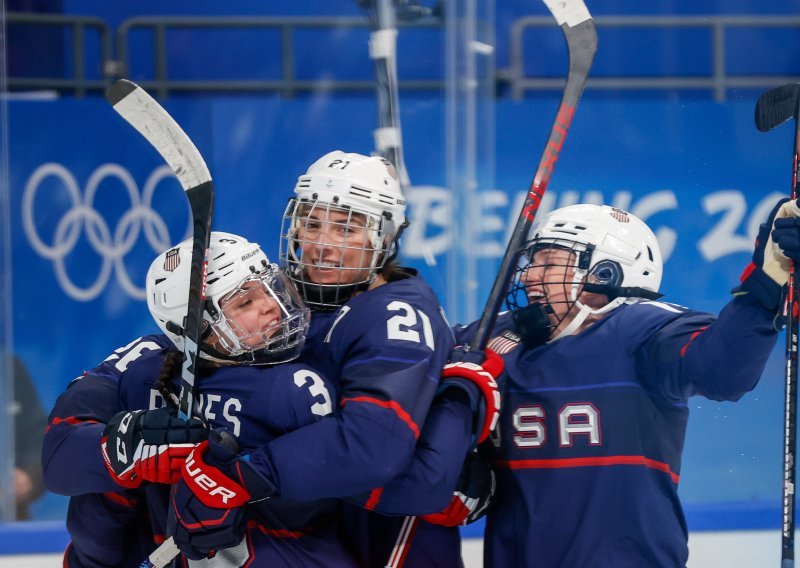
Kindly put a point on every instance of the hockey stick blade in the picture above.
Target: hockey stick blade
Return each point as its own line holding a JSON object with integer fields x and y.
{"x": 776, "y": 106}
{"x": 150, "y": 119}
{"x": 579, "y": 30}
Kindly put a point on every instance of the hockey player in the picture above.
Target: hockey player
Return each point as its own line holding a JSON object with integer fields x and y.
{"x": 254, "y": 320}
{"x": 597, "y": 378}
{"x": 378, "y": 332}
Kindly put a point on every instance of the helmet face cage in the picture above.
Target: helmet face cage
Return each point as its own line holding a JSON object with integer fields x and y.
{"x": 352, "y": 207}
{"x": 235, "y": 269}
{"x": 558, "y": 288}
{"x": 330, "y": 252}
{"x": 280, "y": 341}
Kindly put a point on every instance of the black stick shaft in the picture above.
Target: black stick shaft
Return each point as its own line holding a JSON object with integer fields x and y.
{"x": 790, "y": 399}
{"x": 582, "y": 44}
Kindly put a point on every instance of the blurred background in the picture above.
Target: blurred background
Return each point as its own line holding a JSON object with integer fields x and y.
{"x": 665, "y": 130}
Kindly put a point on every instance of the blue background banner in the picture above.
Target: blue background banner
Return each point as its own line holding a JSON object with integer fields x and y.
{"x": 92, "y": 204}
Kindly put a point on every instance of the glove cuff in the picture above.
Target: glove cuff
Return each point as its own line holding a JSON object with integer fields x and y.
{"x": 128, "y": 479}
{"x": 469, "y": 377}
{"x": 763, "y": 288}
{"x": 224, "y": 453}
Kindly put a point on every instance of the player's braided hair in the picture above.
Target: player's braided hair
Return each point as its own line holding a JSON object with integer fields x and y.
{"x": 171, "y": 368}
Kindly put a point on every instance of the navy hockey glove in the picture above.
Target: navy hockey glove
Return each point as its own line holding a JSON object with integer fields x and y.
{"x": 768, "y": 272}
{"x": 149, "y": 445}
{"x": 468, "y": 370}
{"x": 210, "y": 500}
{"x": 472, "y": 496}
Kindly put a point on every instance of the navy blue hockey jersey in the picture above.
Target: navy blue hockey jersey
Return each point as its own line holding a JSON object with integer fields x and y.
{"x": 588, "y": 449}
{"x": 256, "y": 404}
{"x": 384, "y": 350}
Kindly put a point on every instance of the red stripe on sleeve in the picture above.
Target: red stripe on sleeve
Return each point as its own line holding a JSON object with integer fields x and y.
{"x": 695, "y": 334}
{"x": 69, "y": 420}
{"x": 391, "y": 405}
{"x": 119, "y": 499}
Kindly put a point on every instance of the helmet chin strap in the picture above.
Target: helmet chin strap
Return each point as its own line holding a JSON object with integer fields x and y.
{"x": 585, "y": 311}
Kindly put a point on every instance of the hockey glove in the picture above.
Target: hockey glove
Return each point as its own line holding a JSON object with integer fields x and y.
{"x": 472, "y": 496}
{"x": 768, "y": 272}
{"x": 149, "y": 445}
{"x": 476, "y": 373}
{"x": 786, "y": 231}
{"x": 209, "y": 501}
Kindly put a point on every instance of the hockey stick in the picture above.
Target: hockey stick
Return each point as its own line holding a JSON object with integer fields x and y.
{"x": 148, "y": 117}
{"x": 579, "y": 30}
{"x": 773, "y": 108}
{"x": 383, "y": 52}
{"x": 389, "y": 145}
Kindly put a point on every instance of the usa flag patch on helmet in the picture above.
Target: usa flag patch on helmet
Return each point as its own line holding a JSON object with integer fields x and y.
{"x": 620, "y": 215}
{"x": 172, "y": 260}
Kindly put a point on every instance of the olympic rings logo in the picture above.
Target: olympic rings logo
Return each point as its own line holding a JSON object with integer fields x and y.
{"x": 82, "y": 216}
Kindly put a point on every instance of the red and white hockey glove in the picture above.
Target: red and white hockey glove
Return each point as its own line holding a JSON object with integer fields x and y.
{"x": 468, "y": 370}
{"x": 221, "y": 477}
{"x": 209, "y": 502}
{"x": 472, "y": 496}
{"x": 149, "y": 445}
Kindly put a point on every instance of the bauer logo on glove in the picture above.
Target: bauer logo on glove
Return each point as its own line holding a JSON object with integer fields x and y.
{"x": 209, "y": 484}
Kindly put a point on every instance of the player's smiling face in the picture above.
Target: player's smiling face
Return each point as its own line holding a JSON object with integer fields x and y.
{"x": 549, "y": 281}
{"x": 252, "y": 314}
{"x": 335, "y": 246}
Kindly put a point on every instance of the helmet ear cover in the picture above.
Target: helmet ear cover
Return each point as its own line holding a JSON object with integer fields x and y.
{"x": 606, "y": 272}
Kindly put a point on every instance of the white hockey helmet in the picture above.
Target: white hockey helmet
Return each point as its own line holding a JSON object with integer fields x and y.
{"x": 235, "y": 267}
{"x": 359, "y": 185}
{"x": 616, "y": 254}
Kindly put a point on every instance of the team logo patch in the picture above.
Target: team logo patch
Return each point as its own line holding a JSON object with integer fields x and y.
{"x": 505, "y": 342}
{"x": 620, "y": 215}
{"x": 172, "y": 260}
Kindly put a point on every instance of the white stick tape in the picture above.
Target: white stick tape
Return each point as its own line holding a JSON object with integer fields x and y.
{"x": 387, "y": 137}
{"x": 383, "y": 44}
{"x": 571, "y": 12}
